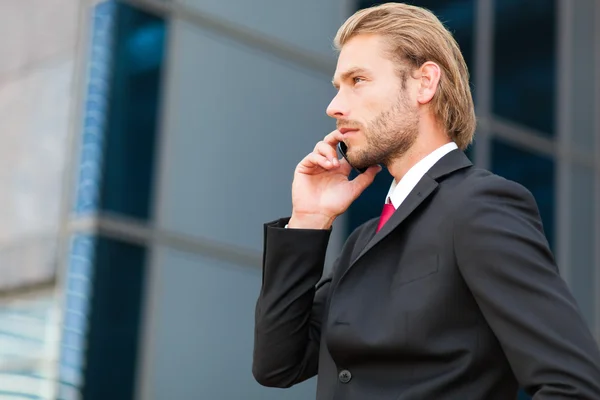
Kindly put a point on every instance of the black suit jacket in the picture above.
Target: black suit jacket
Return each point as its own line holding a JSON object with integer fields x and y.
{"x": 457, "y": 297}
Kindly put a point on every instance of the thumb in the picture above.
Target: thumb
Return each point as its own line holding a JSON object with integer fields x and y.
{"x": 362, "y": 181}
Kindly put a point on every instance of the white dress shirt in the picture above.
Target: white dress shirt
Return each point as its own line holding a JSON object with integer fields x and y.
{"x": 400, "y": 190}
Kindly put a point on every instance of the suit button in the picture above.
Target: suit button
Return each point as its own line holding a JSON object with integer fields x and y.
{"x": 345, "y": 376}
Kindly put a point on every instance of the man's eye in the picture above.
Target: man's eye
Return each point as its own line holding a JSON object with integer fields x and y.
{"x": 357, "y": 79}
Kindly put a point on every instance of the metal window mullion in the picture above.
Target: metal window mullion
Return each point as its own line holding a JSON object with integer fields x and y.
{"x": 484, "y": 58}
{"x": 596, "y": 174}
{"x": 563, "y": 123}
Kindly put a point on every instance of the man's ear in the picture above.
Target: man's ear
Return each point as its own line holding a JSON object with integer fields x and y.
{"x": 429, "y": 80}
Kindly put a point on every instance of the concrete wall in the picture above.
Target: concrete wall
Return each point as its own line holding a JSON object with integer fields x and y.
{"x": 37, "y": 56}
{"x": 37, "y": 68}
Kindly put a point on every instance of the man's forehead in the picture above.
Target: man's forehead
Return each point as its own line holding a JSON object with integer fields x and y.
{"x": 360, "y": 51}
{"x": 359, "y": 57}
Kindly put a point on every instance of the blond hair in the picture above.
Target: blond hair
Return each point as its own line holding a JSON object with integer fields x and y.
{"x": 415, "y": 36}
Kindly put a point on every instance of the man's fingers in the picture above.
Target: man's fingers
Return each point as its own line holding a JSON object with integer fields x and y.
{"x": 315, "y": 160}
{"x": 325, "y": 154}
{"x": 334, "y": 138}
{"x": 327, "y": 151}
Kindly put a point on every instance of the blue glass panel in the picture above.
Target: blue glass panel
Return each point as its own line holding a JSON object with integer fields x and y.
{"x": 534, "y": 171}
{"x": 87, "y": 194}
{"x": 73, "y": 340}
{"x": 114, "y": 320}
{"x": 23, "y": 338}
{"x": 470, "y": 152}
{"x": 128, "y": 172}
{"x": 76, "y": 310}
{"x": 121, "y": 111}
{"x": 524, "y": 84}
{"x": 101, "y": 321}
{"x": 71, "y": 357}
{"x": 17, "y": 395}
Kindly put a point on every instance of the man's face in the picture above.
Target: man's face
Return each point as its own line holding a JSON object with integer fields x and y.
{"x": 377, "y": 116}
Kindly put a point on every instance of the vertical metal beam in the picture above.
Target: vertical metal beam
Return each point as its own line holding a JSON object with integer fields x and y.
{"x": 484, "y": 59}
{"x": 597, "y": 167}
{"x": 563, "y": 122}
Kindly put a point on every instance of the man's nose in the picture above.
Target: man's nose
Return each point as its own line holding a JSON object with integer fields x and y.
{"x": 337, "y": 108}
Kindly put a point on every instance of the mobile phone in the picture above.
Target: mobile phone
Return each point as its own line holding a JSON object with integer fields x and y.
{"x": 342, "y": 148}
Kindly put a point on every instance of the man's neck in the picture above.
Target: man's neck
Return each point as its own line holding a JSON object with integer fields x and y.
{"x": 420, "y": 149}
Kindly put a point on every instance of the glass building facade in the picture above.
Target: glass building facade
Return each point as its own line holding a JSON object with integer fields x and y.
{"x": 140, "y": 164}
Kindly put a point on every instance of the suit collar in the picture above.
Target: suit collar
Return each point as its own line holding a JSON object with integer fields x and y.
{"x": 451, "y": 162}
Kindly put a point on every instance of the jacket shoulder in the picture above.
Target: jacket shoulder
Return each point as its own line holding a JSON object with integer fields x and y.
{"x": 476, "y": 182}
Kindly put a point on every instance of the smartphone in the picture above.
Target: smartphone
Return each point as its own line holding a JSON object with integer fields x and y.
{"x": 342, "y": 148}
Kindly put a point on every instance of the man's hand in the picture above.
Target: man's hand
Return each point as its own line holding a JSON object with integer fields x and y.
{"x": 321, "y": 190}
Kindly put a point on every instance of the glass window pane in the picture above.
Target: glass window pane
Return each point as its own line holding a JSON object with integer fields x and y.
{"x": 121, "y": 111}
{"x": 470, "y": 152}
{"x": 525, "y": 62}
{"x": 105, "y": 315}
{"x": 535, "y": 172}
{"x": 114, "y": 319}
{"x": 133, "y": 117}
{"x": 25, "y": 347}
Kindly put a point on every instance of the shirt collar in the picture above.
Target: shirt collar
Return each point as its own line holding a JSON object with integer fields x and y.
{"x": 400, "y": 190}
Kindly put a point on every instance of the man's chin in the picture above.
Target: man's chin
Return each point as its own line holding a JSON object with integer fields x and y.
{"x": 359, "y": 160}
{"x": 362, "y": 164}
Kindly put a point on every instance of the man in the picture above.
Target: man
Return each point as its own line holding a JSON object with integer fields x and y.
{"x": 456, "y": 295}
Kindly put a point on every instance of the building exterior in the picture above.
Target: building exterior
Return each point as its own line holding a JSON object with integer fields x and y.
{"x": 38, "y": 58}
{"x": 145, "y": 142}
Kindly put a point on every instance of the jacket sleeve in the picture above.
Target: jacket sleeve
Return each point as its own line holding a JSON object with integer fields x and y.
{"x": 505, "y": 260}
{"x": 290, "y": 305}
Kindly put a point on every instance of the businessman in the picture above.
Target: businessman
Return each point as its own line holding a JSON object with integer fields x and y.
{"x": 453, "y": 292}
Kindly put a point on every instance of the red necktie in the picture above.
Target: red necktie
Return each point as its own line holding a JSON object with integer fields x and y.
{"x": 386, "y": 213}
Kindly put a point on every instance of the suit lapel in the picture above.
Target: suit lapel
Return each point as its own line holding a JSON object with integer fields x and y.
{"x": 451, "y": 162}
{"x": 368, "y": 232}
{"x": 422, "y": 191}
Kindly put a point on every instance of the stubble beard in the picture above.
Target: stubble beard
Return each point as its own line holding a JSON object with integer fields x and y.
{"x": 389, "y": 136}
